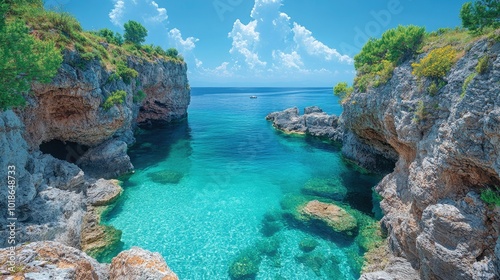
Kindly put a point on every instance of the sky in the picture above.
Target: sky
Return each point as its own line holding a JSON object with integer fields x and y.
{"x": 274, "y": 43}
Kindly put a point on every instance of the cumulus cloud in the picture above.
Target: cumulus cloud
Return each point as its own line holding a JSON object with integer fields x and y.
{"x": 162, "y": 13}
{"x": 183, "y": 45}
{"x": 304, "y": 39}
{"x": 272, "y": 42}
{"x": 288, "y": 60}
{"x": 245, "y": 40}
{"x": 116, "y": 14}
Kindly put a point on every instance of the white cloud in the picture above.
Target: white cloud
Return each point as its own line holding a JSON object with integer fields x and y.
{"x": 288, "y": 60}
{"x": 116, "y": 14}
{"x": 303, "y": 37}
{"x": 162, "y": 13}
{"x": 262, "y": 7}
{"x": 245, "y": 40}
{"x": 183, "y": 45}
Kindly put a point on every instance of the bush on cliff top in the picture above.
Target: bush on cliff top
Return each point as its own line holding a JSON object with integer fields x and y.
{"x": 24, "y": 59}
{"x": 378, "y": 57}
{"x": 477, "y": 15}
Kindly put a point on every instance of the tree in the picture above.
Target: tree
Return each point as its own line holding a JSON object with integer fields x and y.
{"x": 134, "y": 32}
{"x": 480, "y": 14}
{"x": 23, "y": 60}
{"x": 172, "y": 52}
{"x": 110, "y": 36}
{"x": 343, "y": 91}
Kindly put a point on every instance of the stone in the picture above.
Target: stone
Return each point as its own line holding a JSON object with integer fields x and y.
{"x": 103, "y": 192}
{"x": 52, "y": 260}
{"x": 333, "y": 216}
{"x": 314, "y": 122}
{"x": 107, "y": 160}
{"x": 138, "y": 263}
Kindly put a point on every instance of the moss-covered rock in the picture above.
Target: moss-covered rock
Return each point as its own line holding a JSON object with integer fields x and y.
{"x": 329, "y": 188}
{"x": 166, "y": 177}
{"x": 246, "y": 265}
{"x": 308, "y": 244}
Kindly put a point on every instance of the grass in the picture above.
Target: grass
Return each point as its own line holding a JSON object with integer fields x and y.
{"x": 467, "y": 81}
{"x": 482, "y": 64}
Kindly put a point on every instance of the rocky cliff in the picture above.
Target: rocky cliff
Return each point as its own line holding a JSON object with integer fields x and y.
{"x": 65, "y": 140}
{"x": 445, "y": 149}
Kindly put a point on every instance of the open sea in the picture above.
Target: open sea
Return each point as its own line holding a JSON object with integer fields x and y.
{"x": 202, "y": 187}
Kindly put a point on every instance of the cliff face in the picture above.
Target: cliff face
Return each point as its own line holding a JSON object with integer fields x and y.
{"x": 65, "y": 119}
{"x": 445, "y": 155}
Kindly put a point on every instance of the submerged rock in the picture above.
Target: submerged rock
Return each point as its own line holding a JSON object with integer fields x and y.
{"x": 333, "y": 216}
{"x": 329, "y": 188}
{"x": 314, "y": 122}
{"x": 166, "y": 177}
{"x": 271, "y": 223}
{"x": 308, "y": 244}
{"x": 138, "y": 263}
{"x": 246, "y": 265}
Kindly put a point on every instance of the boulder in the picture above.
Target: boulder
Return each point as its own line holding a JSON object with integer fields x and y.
{"x": 333, "y": 216}
{"x": 138, "y": 263}
{"x": 103, "y": 192}
{"x": 51, "y": 260}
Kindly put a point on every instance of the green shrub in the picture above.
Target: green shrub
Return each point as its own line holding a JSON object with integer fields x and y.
{"x": 115, "y": 98}
{"x": 172, "y": 52}
{"x": 139, "y": 96}
{"x": 435, "y": 87}
{"x": 482, "y": 64}
{"x": 436, "y": 63}
{"x": 125, "y": 72}
{"x": 467, "y": 81}
{"x": 378, "y": 57}
{"x": 343, "y": 91}
{"x": 491, "y": 197}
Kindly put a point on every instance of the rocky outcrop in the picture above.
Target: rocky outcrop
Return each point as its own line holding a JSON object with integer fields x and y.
{"x": 137, "y": 263}
{"x": 52, "y": 260}
{"x": 69, "y": 108}
{"x": 99, "y": 240}
{"x": 334, "y": 217}
{"x": 314, "y": 122}
{"x": 107, "y": 160}
{"x": 446, "y": 146}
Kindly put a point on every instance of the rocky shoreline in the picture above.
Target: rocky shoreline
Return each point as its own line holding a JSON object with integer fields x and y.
{"x": 440, "y": 158}
{"x": 64, "y": 146}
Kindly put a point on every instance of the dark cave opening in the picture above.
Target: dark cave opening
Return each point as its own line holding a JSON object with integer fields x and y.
{"x": 64, "y": 150}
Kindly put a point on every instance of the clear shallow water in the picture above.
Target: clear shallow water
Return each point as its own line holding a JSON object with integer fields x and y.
{"x": 226, "y": 168}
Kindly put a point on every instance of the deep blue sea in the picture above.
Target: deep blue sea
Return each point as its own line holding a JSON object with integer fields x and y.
{"x": 201, "y": 188}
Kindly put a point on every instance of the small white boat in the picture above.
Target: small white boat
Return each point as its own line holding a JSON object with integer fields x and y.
{"x": 253, "y": 97}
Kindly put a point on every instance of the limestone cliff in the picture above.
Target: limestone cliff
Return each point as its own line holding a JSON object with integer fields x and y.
{"x": 65, "y": 140}
{"x": 446, "y": 151}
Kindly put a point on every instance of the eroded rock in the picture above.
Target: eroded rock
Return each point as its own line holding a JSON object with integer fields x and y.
{"x": 138, "y": 263}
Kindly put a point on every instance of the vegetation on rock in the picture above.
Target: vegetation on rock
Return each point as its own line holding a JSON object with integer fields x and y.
{"x": 342, "y": 91}
{"x": 436, "y": 64}
{"x": 135, "y": 33}
{"x": 378, "y": 57}
{"x": 115, "y": 98}
{"x": 24, "y": 59}
{"x": 491, "y": 196}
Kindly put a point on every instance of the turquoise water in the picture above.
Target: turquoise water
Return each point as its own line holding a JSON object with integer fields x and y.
{"x": 222, "y": 171}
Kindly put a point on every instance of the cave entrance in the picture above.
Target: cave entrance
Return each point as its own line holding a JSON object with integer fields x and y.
{"x": 64, "y": 150}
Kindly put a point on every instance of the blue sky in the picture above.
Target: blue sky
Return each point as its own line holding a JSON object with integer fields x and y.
{"x": 264, "y": 42}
